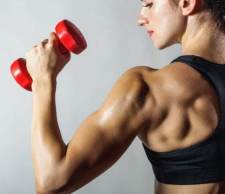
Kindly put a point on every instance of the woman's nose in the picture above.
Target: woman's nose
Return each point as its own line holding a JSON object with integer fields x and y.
{"x": 142, "y": 20}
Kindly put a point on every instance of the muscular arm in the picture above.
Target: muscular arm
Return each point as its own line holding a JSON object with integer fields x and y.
{"x": 96, "y": 145}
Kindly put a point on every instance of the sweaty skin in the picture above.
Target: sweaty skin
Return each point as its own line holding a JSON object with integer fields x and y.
{"x": 135, "y": 106}
{"x": 183, "y": 102}
{"x": 189, "y": 25}
{"x": 140, "y": 101}
{"x": 100, "y": 139}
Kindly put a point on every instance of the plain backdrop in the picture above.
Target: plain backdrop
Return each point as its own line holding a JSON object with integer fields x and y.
{"x": 115, "y": 44}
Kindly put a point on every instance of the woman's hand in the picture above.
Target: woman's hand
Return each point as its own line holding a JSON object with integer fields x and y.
{"x": 45, "y": 59}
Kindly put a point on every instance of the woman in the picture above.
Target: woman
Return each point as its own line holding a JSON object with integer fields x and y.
{"x": 192, "y": 137}
{"x": 177, "y": 111}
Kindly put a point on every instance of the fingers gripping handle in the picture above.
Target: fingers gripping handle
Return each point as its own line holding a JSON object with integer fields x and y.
{"x": 70, "y": 40}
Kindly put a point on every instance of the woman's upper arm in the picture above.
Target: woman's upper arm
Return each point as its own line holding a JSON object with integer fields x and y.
{"x": 105, "y": 134}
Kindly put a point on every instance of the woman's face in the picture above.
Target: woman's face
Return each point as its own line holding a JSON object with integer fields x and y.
{"x": 164, "y": 20}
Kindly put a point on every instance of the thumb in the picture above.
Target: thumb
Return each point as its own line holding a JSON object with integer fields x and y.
{"x": 59, "y": 48}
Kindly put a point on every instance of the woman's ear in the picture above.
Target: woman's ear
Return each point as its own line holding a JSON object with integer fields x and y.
{"x": 190, "y": 7}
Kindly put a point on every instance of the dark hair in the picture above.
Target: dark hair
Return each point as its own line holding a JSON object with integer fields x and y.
{"x": 217, "y": 10}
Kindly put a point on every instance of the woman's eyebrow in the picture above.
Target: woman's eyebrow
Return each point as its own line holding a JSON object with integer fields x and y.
{"x": 143, "y": 1}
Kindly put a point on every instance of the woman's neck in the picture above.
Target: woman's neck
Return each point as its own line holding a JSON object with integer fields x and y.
{"x": 205, "y": 41}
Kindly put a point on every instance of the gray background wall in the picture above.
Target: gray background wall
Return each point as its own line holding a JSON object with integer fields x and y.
{"x": 115, "y": 43}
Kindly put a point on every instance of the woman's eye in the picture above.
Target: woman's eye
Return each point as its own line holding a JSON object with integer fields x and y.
{"x": 148, "y": 5}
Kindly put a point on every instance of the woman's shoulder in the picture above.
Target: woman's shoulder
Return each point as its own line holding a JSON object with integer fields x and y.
{"x": 181, "y": 81}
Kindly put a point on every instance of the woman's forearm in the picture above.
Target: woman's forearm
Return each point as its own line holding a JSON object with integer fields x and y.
{"x": 48, "y": 147}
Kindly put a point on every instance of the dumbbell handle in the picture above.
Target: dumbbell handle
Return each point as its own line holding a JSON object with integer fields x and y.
{"x": 70, "y": 40}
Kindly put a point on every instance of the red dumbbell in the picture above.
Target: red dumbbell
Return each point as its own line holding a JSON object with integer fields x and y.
{"x": 70, "y": 40}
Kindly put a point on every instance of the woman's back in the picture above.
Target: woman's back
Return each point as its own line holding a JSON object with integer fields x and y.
{"x": 187, "y": 113}
{"x": 208, "y": 188}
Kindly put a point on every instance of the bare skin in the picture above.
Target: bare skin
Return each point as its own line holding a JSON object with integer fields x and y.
{"x": 106, "y": 134}
{"x": 183, "y": 103}
{"x": 135, "y": 106}
{"x": 195, "y": 30}
{"x": 211, "y": 188}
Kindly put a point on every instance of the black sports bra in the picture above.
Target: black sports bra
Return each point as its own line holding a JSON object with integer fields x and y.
{"x": 203, "y": 162}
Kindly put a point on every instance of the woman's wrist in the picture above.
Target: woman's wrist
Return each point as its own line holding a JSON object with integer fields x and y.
{"x": 44, "y": 83}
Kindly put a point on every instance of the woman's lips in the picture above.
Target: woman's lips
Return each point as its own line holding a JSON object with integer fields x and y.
{"x": 150, "y": 32}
